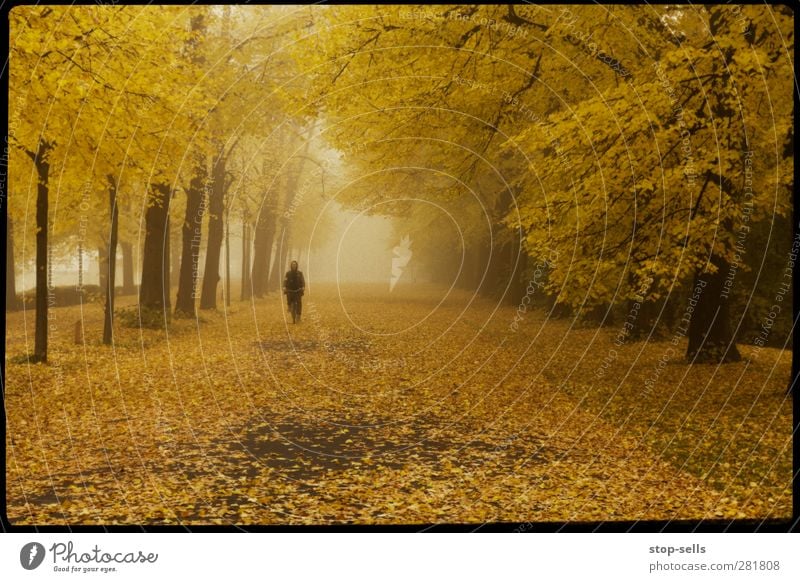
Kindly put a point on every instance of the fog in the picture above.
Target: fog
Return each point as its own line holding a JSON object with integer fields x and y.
{"x": 347, "y": 247}
{"x": 358, "y": 249}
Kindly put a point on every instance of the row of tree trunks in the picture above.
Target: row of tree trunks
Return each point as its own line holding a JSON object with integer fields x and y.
{"x": 710, "y": 334}
{"x": 13, "y": 302}
{"x": 264, "y": 239}
{"x": 284, "y": 239}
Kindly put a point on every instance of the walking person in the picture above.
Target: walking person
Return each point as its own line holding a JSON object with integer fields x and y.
{"x": 294, "y": 285}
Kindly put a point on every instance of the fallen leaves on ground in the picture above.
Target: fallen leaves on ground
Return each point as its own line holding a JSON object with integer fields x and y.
{"x": 395, "y": 411}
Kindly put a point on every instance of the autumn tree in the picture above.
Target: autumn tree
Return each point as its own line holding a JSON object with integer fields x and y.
{"x": 653, "y": 201}
{"x": 58, "y": 77}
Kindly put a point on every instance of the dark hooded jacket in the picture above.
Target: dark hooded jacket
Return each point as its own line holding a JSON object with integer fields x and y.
{"x": 293, "y": 281}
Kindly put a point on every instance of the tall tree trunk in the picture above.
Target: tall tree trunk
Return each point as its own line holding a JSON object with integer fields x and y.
{"x": 112, "y": 263}
{"x": 80, "y": 266}
{"x": 275, "y": 276}
{"x": 174, "y": 256}
{"x": 216, "y": 206}
{"x": 192, "y": 228}
{"x": 245, "y": 278}
{"x": 711, "y": 337}
{"x": 42, "y": 190}
{"x": 227, "y": 261}
{"x": 12, "y": 301}
{"x": 282, "y": 254}
{"x": 168, "y": 263}
{"x": 191, "y": 238}
{"x": 128, "y": 287}
{"x": 154, "y": 287}
{"x": 281, "y": 259}
{"x": 102, "y": 267}
{"x": 262, "y": 250}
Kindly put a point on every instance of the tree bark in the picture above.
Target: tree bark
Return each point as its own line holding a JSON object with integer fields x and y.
{"x": 128, "y": 286}
{"x": 275, "y": 276}
{"x": 42, "y": 284}
{"x": 12, "y": 301}
{"x": 154, "y": 287}
{"x": 174, "y": 253}
{"x": 216, "y": 206}
{"x": 245, "y": 278}
{"x": 711, "y": 337}
{"x": 102, "y": 267}
{"x": 191, "y": 237}
{"x": 281, "y": 258}
{"x": 227, "y": 261}
{"x": 168, "y": 262}
{"x": 80, "y": 266}
{"x": 192, "y": 228}
{"x": 262, "y": 250}
{"x": 108, "y": 327}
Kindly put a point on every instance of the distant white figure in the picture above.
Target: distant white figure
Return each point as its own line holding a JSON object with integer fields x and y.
{"x": 402, "y": 254}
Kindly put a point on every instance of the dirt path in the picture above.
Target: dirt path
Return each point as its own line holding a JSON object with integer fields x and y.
{"x": 406, "y": 408}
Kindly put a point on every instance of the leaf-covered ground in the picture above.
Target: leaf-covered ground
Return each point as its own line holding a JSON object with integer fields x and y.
{"x": 412, "y": 407}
